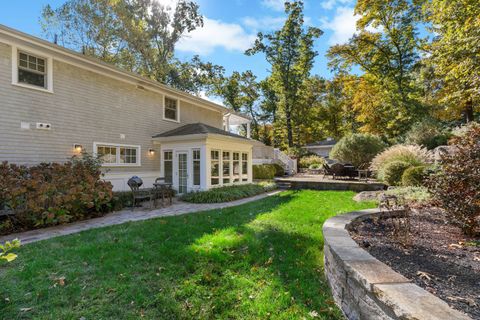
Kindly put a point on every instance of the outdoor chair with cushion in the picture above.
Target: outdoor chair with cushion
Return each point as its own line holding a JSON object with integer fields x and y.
{"x": 139, "y": 195}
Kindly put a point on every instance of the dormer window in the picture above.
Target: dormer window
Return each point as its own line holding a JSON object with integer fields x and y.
{"x": 32, "y": 70}
{"x": 170, "y": 109}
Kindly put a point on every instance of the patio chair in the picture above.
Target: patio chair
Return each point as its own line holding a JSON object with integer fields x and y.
{"x": 163, "y": 190}
{"x": 139, "y": 194}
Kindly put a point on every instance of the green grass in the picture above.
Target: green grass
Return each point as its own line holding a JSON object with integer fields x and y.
{"x": 261, "y": 260}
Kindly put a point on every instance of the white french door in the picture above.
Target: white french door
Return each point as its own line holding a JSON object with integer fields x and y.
{"x": 182, "y": 176}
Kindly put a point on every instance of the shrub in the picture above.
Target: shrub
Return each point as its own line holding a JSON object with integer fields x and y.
{"x": 6, "y": 249}
{"x": 357, "y": 149}
{"x": 53, "y": 193}
{"x": 411, "y": 154}
{"x": 306, "y": 162}
{"x": 121, "y": 199}
{"x": 414, "y": 176}
{"x": 279, "y": 170}
{"x": 416, "y": 195}
{"x": 456, "y": 186}
{"x": 315, "y": 166}
{"x": 224, "y": 194}
{"x": 264, "y": 171}
{"x": 427, "y": 133}
{"x": 393, "y": 171}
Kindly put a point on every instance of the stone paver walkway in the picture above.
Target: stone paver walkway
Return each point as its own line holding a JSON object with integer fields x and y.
{"x": 123, "y": 216}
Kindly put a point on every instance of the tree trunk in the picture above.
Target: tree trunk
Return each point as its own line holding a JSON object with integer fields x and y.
{"x": 288, "y": 115}
{"x": 468, "y": 112}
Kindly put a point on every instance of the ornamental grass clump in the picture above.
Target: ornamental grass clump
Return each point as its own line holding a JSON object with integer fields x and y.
{"x": 456, "y": 185}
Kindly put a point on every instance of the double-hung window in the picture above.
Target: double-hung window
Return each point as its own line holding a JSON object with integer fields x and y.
{"x": 226, "y": 167}
{"x": 244, "y": 167}
{"x": 236, "y": 167}
{"x": 118, "y": 155}
{"x": 215, "y": 167}
{"x": 170, "y": 109}
{"x": 32, "y": 70}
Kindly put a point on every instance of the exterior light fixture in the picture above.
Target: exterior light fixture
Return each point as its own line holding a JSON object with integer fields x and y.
{"x": 78, "y": 148}
{"x": 151, "y": 152}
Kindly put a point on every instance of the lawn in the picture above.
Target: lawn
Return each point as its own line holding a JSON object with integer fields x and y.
{"x": 261, "y": 260}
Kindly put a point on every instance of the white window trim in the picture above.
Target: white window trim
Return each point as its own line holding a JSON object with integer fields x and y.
{"x": 193, "y": 167}
{"x": 49, "y": 73}
{"x": 119, "y": 145}
{"x": 178, "y": 109}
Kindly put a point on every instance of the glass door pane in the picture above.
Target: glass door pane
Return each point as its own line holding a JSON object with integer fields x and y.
{"x": 182, "y": 173}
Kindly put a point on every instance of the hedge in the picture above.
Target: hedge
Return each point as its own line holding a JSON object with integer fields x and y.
{"x": 228, "y": 193}
{"x": 264, "y": 171}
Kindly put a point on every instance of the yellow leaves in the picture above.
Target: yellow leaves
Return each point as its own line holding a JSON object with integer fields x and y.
{"x": 9, "y": 257}
{"x": 5, "y": 249}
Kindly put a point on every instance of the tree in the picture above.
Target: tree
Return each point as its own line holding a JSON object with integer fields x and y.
{"x": 386, "y": 49}
{"x": 136, "y": 35}
{"x": 290, "y": 53}
{"x": 455, "y": 54}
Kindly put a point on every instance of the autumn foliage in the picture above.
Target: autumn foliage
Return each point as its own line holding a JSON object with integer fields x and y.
{"x": 51, "y": 193}
{"x": 456, "y": 186}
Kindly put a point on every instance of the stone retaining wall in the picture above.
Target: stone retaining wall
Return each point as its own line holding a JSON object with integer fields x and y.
{"x": 365, "y": 288}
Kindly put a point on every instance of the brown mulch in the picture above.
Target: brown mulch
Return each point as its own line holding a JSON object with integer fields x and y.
{"x": 435, "y": 255}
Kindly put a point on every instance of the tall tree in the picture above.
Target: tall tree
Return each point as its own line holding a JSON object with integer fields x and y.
{"x": 455, "y": 54}
{"x": 290, "y": 53}
{"x": 386, "y": 48}
{"x": 136, "y": 35}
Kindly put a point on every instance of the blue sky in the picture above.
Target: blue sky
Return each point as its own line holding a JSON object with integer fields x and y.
{"x": 230, "y": 27}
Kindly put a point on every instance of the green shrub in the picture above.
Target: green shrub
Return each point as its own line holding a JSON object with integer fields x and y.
{"x": 121, "y": 199}
{"x": 358, "y": 149}
{"x": 315, "y": 166}
{"x": 225, "y": 194}
{"x": 264, "y": 171}
{"x": 306, "y": 162}
{"x": 414, "y": 176}
{"x": 6, "y": 249}
{"x": 428, "y": 134}
{"x": 392, "y": 173}
{"x": 279, "y": 170}
{"x": 417, "y": 195}
{"x": 268, "y": 185}
{"x": 414, "y": 155}
{"x": 456, "y": 186}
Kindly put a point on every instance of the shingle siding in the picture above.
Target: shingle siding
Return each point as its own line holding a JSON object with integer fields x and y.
{"x": 85, "y": 107}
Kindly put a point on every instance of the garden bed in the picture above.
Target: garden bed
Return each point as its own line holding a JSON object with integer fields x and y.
{"x": 435, "y": 255}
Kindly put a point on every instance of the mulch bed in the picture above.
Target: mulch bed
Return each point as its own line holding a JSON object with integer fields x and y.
{"x": 435, "y": 255}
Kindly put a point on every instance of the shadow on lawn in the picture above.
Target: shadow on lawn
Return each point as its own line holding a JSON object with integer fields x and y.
{"x": 232, "y": 263}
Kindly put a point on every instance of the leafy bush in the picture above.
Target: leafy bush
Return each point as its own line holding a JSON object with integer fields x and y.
{"x": 121, "y": 199}
{"x": 392, "y": 173}
{"x": 315, "y": 166}
{"x": 414, "y": 176}
{"x": 414, "y": 155}
{"x": 357, "y": 149}
{"x": 456, "y": 186}
{"x": 52, "y": 193}
{"x": 306, "y": 162}
{"x": 417, "y": 195}
{"x": 279, "y": 170}
{"x": 428, "y": 134}
{"x": 229, "y": 193}
{"x": 6, "y": 249}
{"x": 264, "y": 171}
{"x": 268, "y": 185}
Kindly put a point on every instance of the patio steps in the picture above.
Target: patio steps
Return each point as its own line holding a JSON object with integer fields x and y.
{"x": 284, "y": 185}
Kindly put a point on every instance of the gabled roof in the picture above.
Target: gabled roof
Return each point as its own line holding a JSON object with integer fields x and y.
{"x": 323, "y": 143}
{"x": 196, "y": 128}
{"x": 106, "y": 69}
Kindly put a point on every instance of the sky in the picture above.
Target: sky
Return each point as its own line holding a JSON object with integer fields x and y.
{"x": 230, "y": 27}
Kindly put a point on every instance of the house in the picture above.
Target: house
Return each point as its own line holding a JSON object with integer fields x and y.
{"x": 321, "y": 148}
{"x": 56, "y": 102}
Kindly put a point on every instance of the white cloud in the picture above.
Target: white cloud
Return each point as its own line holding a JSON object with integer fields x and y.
{"x": 277, "y": 5}
{"x": 343, "y": 25}
{"x": 330, "y": 4}
{"x": 263, "y": 23}
{"x": 216, "y": 34}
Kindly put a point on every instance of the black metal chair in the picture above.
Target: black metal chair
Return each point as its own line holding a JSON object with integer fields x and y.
{"x": 163, "y": 190}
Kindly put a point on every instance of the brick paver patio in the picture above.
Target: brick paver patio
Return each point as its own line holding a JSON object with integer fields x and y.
{"x": 123, "y": 216}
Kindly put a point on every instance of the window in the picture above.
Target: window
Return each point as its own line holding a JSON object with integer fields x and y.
{"x": 215, "y": 167}
{"x": 236, "y": 167}
{"x": 244, "y": 166}
{"x": 196, "y": 167}
{"x": 118, "y": 155}
{"x": 32, "y": 70}
{"x": 168, "y": 166}
{"x": 171, "y": 109}
{"x": 226, "y": 167}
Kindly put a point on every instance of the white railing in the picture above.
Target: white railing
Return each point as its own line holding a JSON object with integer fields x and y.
{"x": 289, "y": 163}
